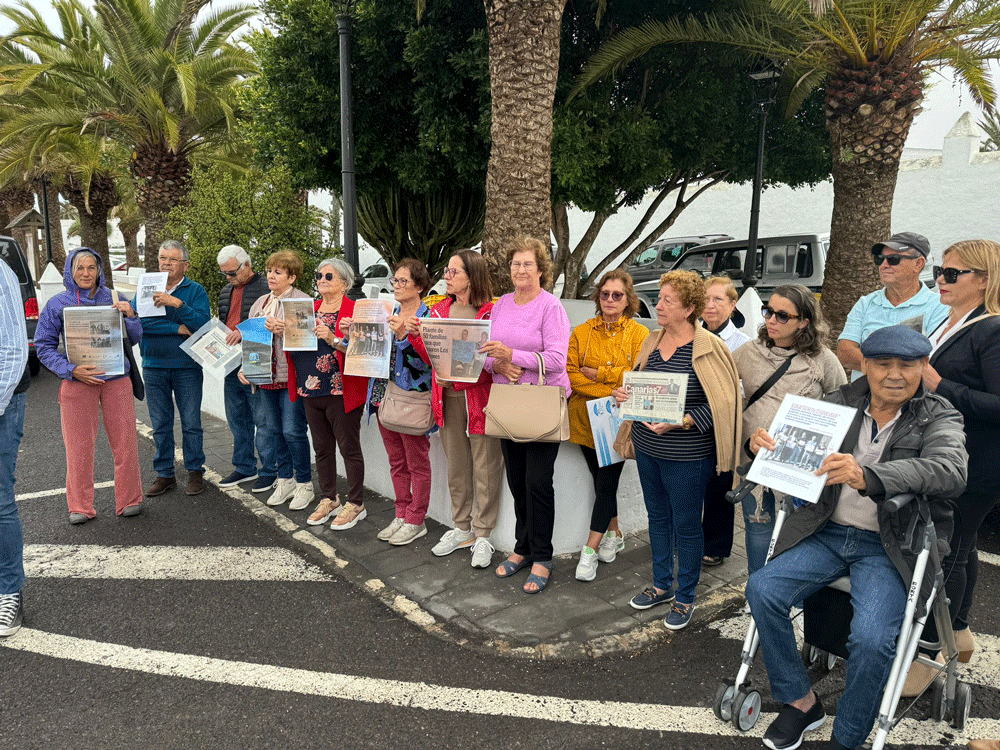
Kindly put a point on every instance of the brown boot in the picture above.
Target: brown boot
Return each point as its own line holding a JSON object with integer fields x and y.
{"x": 919, "y": 677}
{"x": 196, "y": 483}
{"x": 984, "y": 745}
{"x": 965, "y": 642}
{"x": 161, "y": 485}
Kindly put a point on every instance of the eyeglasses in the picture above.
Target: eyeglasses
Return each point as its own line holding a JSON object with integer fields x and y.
{"x": 516, "y": 265}
{"x": 780, "y": 315}
{"x": 452, "y": 272}
{"x": 230, "y": 274}
{"x": 170, "y": 261}
{"x": 892, "y": 260}
{"x": 616, "y": 296}
{"x": 328, "y": 276}
{"x": 950, "y": 274}
{"x": 400, "y": 282}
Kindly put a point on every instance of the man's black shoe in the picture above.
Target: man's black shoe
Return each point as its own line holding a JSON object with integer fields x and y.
{"x": 785, "y": 732}
{"x": 835, "y": 745}
{"x": 236, "y": 478}
{"x": 264, "y": 484}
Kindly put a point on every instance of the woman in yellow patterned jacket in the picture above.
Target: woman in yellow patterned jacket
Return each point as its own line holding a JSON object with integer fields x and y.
{"x": 600, "y": 351}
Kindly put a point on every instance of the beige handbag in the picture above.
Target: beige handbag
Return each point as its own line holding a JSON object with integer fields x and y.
{"x": 528, "y": 413}
{"x": 407, "y": 412}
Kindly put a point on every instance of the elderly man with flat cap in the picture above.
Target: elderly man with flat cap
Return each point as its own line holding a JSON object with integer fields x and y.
{"x": 903, "y": 440}
{"x": 903, "y": 298}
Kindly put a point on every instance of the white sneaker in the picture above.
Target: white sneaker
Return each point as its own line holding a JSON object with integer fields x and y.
{"x": 302, "y": 496}
{"x": 284, "y": 490}
{"x": 386, "y": 533}
{"x": 586, "y": 569}
{"x": 611, "y": 544}
{"x": 406, "y": 533}
{"x": 482, "y": 553}
{"x": 453, "y": 540}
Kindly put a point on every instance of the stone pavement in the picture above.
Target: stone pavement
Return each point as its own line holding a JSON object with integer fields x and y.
{"x": 569, "y": 619}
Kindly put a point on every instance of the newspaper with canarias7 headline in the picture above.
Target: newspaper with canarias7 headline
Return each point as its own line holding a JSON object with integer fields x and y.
{"x": 805, "y": 431}
{"x": 654, "y": 396}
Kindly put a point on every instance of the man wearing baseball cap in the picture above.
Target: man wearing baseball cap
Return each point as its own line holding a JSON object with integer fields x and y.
{"x": 903, "y": 299}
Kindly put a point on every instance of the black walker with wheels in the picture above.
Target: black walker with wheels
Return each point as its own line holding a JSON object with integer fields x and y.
{"x": 826, "y": 624}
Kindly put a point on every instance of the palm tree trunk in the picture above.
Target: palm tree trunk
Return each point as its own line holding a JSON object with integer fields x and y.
{"x": 16, "y": 199}
{"x": 130, "y": 236}
{"x": 162, "y": 180}
{"x": 93, "y": 209}
{"x": 866, "y": 141}
{"x": 55, "y": 225}
{"x": 524, "y": 64}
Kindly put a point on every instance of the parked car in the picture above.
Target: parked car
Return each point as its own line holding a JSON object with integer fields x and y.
{"x": 380, "y": 275}
{"x": 786, "y": 259}
{"x": 661, "y": 256}
{"x": 12, "y": 254}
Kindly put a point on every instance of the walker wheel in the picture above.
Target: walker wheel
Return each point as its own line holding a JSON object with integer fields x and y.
{"x": 939, "y": 697}
{"x": 746, "y": 710}
{"x": 724, "y": 701}
{"x": 810, "y": 654}
{"x": 831, "y": 661}
{"x": 963, "y": 701}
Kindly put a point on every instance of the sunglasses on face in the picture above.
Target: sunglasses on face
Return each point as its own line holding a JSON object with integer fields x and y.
{"x": 892, "y": 260}
{"x": 780, "y": 315}
{"x": 327, "y": 276}
{"x": 451, "y": 272}
{"x": 230, "y": 274}
{"x": 950, "y": 274}
{"x": 616, "y": 296}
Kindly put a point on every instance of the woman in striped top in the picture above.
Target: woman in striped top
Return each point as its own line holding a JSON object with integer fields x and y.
{"x": 675, "y": 462}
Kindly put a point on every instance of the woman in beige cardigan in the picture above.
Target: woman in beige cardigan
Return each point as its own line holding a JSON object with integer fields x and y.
{"x": 675, "y": 461}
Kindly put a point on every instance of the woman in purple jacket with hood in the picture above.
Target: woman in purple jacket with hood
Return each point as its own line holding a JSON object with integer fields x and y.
{"x": 85, "y": 392}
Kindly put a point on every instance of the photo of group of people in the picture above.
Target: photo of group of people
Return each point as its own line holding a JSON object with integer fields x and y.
{"x": 799, "y": 448}
{"x": 367, "y": 340}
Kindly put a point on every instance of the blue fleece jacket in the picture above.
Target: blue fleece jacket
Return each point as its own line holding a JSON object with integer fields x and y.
{"x": 161, "y": 339}
{"x": 50, "y": 321}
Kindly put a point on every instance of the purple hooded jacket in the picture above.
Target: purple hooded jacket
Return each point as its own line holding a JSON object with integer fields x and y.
{"x": 50, "y": 321}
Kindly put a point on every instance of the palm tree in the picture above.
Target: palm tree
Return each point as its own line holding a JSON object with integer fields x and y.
{"x": 873, "y": 57}
{"x": 990, "y": 125}
{"x": 157, "y": 76}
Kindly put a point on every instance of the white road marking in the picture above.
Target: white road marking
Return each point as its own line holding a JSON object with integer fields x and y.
{"x": 59, "y": 491}
{"x": 989, "y": 557}
{"x": 168, "y": 562}
{"x": 419, "y": 695}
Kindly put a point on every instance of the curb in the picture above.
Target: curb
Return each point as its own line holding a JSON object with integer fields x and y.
{"x": 638, "y": 638}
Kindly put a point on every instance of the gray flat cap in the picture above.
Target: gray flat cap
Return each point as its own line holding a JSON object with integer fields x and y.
{"x": 900, "y": 342}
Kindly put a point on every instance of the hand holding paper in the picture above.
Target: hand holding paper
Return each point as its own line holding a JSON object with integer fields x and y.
{"x": 842, "y": 468}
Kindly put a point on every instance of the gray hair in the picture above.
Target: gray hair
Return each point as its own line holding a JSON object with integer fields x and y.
{"x": 340, "y": 267}
{"x": 79, "y": 255}
{"x": 233, "y": 252}
{"x": 175, "y": 245}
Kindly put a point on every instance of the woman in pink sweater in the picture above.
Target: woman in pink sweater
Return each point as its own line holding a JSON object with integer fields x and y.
{"x": 530, "y": 320}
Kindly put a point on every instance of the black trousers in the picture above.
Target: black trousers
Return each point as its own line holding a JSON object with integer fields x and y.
{"x": 962, "y": 566}
{"x": 606, "y": 480}
{"x": 717, "y": 520}
{"x": 529, "y": 468}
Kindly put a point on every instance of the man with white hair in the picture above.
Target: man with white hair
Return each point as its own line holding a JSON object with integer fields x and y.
{"x": 244, "y": 412}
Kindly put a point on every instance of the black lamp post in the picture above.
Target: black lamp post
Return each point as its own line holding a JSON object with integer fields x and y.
{"x": 348, "y": 188}
{"x": 765, "y": 84}
{"x": 45, "y": 215}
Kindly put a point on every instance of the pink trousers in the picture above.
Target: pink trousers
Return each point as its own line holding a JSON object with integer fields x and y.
{"x": 410, "y": 466}
{"x": 79, "y": 406}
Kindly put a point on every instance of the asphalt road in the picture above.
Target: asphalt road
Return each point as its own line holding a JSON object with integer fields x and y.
{"x": 195, "y": 625}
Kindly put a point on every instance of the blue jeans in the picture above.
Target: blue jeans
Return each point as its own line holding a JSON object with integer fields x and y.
{"x": 286, "y": 426}
{"x": 674, "y": 492}
{"x": 164, "y": 386}
{"x": 11, "y": 537}
{"x": 758, "y": 532}
{"x": 878, "y": 595}
{"x": 248, "y": 423}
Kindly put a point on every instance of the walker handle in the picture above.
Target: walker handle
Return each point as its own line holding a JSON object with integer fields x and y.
{"x": 896, "y": 503}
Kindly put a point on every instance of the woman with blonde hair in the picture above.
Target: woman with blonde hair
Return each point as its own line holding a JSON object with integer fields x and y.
{"x": 600, "y": 352}
{"x": 675, "y": 461}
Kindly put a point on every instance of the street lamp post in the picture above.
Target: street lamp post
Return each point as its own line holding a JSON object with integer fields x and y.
{"x": 766, "y": 81}
{"x": 348, "y": 188}
{"x": 45, "y": 215}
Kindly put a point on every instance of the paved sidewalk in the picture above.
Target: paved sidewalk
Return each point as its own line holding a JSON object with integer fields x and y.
{"x": 569, "y": 619}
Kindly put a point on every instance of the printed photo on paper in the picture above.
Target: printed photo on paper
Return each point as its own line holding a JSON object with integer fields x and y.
{"x": 93, "y": 336}
{"x": 207, "y": 346}
{"x": 604, "y": 423}
{"x": 300, "y": 325}
{"x": 654, "y": 396}
{"x": 805, "y": 431}
{"x": 453, "y": 346}
{"x": 257, "y": 351}
{"x": 149, "y": 284}
{"x": 370, "y": 341}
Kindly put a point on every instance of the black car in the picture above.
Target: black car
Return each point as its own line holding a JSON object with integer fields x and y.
{"x": 12, "y": 254}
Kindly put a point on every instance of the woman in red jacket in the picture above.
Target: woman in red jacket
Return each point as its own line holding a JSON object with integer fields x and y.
{"x": 475, "y": 463}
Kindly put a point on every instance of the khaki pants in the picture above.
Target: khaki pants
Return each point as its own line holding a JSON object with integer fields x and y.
{"x": 475, "y": 468}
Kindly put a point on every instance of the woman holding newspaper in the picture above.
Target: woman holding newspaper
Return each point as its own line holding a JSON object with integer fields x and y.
{"x": 675, "y": 461}
{"x": 600, "y": 350}
{"x": 475, "y": 463}
{"x": 86, "y": 391}
{"x": 788, "y": 356}
{"x": 527, "y": 322}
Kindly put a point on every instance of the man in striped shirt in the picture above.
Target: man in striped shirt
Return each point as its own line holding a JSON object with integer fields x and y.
{"x": 14, "y": 381}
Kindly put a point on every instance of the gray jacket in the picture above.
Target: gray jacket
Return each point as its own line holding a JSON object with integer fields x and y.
{"x": 925, "y": 455}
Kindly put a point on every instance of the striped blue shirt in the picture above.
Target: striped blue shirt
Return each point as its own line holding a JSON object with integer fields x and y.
{"x": 13, "y": 335}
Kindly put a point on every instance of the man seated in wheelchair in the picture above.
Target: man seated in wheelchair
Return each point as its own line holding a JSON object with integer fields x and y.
{"x": 903, "y": 440}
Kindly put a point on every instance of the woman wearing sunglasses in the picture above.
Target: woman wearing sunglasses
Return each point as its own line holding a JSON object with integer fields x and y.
{"x": 965, "y": 369}
{"x": 600, "y": 351}
{"x": 793, "y": 341}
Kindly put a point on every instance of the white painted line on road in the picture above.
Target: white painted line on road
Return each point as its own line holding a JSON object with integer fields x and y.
{"x": 59, "y": 491}
{"x": 168, "y": 563}
{"x": 419, "y": 695}
{"x": 988, "y": 557}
